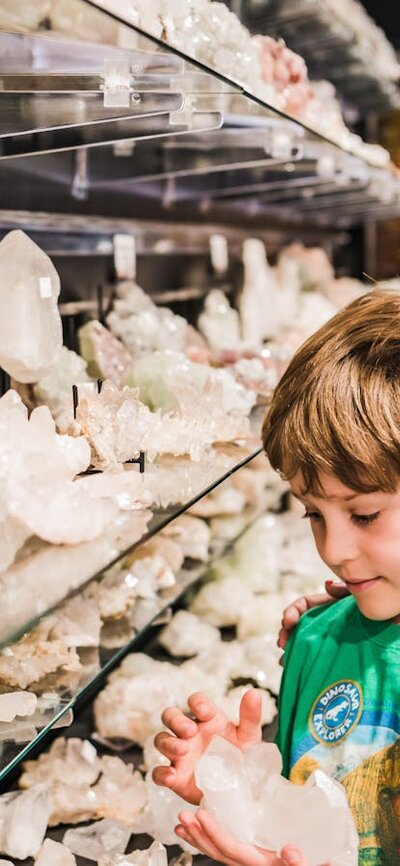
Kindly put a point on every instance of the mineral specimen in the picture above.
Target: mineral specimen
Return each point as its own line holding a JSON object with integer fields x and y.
{"x": 96, "y": 840}
{"x": 141, "y": 325}
{"x": 71, "y": 761}
{"x": 14, "y": 704}
{"x": 30, "y": 326}
{"x": 246, "y": 794}
{"x": 259, "y": 302}
{"x": 219, "y": 322}
{"x": 54, "y": 389}
{"x": 187, "y": 635}
{"x": 106, "y": 356}
{"x": 54, "y": 854}
{"x": 156, "y": 855}
{"x": 192, "y": 534}
{"x": 29, "y": 810}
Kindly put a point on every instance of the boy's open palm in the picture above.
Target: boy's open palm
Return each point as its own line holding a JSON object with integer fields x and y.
{"x": 189, "y": 738}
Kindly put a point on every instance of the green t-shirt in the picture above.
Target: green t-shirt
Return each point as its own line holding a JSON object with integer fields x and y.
{"x": 339, "y": 709}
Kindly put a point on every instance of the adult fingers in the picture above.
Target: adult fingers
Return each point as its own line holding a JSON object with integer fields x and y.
{"x": 249, "y": 728}
{"x": 174, "y": 719}
{"x": 170, "y": 746}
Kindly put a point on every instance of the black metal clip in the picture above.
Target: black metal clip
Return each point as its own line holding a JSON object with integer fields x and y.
{"x": 140, "y": 460}
{"x": 5, "y": 382}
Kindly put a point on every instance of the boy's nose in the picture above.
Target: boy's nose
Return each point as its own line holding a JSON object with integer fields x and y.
{"x": 338, "y": 547}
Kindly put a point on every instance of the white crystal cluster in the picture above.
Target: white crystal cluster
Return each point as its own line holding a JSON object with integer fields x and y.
{"x": 82, "y": 786}
{"x": 141, "y": 325}
{"x": 106, "y": 357}
{"x": 246, "y": 794}
{"x": 30, "y": 325}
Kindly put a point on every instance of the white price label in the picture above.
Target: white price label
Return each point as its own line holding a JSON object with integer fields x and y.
{"x": 125, "y": 256}
{"x": 45, "y": 290}
{"x": 219, "y": 253}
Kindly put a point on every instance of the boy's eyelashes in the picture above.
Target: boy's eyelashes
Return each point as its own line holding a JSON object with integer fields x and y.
{"x": 359, "y": 519}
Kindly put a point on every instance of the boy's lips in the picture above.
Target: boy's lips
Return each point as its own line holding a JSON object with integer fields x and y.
{"x": 358, "y": 585}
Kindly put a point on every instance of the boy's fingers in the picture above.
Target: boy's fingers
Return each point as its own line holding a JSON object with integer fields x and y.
{"x": 282, "y": 637}
{"x": 249, "y": 728}
{"x": 164, "y": 776}
{"x": 335, "y": 589}
{"x": 174, "y": 719}
{"x": 292, "y": 856}
{"x": 170, "y": 746}
{"x": 202, "y": 707}
{"x": 231, "y": 849}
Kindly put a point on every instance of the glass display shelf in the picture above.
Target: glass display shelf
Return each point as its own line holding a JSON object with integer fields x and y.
{"x": 44, "y": 575}
{"x": 59, "y": 693}
{"x": 84, "y": 43}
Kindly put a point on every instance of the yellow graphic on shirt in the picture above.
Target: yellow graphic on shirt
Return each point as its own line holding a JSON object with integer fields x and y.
{"x": 373, "y": 790}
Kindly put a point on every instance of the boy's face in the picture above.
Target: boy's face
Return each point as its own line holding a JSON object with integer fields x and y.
{"x": 358, "y": 536}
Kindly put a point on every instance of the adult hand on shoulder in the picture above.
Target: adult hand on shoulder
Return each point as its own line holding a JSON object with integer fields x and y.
{"x": 189, "y": 738}
{"x": 291, "y": 615}
{"x": 201, "y": 831}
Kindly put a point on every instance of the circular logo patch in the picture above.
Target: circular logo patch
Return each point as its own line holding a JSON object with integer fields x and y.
{"x": 336, "y": 712}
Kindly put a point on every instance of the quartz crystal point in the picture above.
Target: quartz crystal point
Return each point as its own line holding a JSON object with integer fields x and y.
{"x": 99, "y": 839}
{"x": 106, "y": 356}
{"x": 71, "y": 761}
{"x": 30, "y": 326}
{"x": 160, "y": 817}
{"x": 245, "y": 790}
{"x": 156, "y": 855}
{"x": 259, "y": 302}
{"x": 54, "y": 854}
{"x": 192, "y": 534}
{"x": 219, "y": 322}
{"x": 23, "y": 821}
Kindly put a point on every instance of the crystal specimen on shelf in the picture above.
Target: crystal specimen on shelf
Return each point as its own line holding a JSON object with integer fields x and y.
{"x": 163, "y": 545}
{"x": 36, "y": 655}
{"x": 30, "y": 327}
{"x": 14, "y": 704}
{"x": 70, "y": 761}
{"x": 256, "y": 557}
{"x": 54, "y": 854}
{"x": 20, "y": 15}
{"x": 99, "y": 839}
{"x": 114, "y": 595}
{"x": 160, "y": 817}
{"x": 168, "y": 380}
{"x": 222, "y": 500}
{"x": 260, "y": 662}
{"x": 262, "y": 614}
{"x": 77, "y": 623}
{"x": 219, "y": 322}
{"x": 23, "y": 821}
{"x": 12, "y": 537}
{"x": 259, "y": 301}
{"x": 192, "y": 534}
{"x": 106, "y": 356}
{"x": 143, "y": 326}
{"x": 187, "y": 635}
{"x": 54, "y": 389}
{"x": 121, "y": 791}
{"x": 245, "y": 790}
{"x": 118, "y": 426}
{"x": 231, "y": 702}
{"x": 131, "y": 706}
{"x": 28, "y": 588}
{"x": 222, "y": 602}
{"x": 156, "y": 855}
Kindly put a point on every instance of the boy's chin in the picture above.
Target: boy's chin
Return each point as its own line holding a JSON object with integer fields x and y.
{"x": 378, "y": 612}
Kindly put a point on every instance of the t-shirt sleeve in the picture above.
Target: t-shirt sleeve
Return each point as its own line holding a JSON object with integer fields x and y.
{"x": 290, "y": 692}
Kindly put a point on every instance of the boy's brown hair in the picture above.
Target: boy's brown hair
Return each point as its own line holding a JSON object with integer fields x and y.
{"x": 337, "y": 407}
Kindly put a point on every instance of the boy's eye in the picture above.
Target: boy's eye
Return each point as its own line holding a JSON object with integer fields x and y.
{"x": 364, "y": 519}
{"x": 311, "y": 515}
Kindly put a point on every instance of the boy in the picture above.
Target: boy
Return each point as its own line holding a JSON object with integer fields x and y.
{"x": 333, "y": 431}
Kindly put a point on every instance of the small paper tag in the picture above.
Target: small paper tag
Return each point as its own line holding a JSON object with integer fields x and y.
{"x": 45, "y": 290}
{"x": 125, "y": 256}
{"x": 219, "y": 253}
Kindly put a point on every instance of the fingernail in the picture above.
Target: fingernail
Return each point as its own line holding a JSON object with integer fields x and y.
{"x": 292, "y": 856}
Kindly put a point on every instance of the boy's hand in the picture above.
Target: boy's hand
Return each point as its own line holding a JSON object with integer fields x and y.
{"x": 190, "y": 738}
{"x": 201, "y": 831}
{"x": 292, "y": 613}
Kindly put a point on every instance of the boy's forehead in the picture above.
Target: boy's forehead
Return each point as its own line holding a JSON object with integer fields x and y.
{"x": 329, "y": 487}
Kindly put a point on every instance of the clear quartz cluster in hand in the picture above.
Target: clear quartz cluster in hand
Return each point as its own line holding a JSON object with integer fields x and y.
{"x": 30, "y": 323}
{"x": 246, "y": 790}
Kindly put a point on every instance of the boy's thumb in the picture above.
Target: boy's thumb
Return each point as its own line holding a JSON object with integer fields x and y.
{"x": 292, "y": 857}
